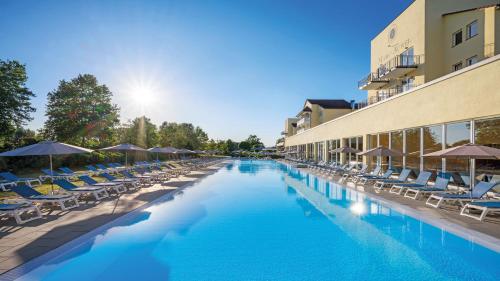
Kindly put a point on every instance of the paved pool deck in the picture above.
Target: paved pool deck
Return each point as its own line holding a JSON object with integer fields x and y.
{"x": 21, "y": 243}
{"x": 447, "y": 216}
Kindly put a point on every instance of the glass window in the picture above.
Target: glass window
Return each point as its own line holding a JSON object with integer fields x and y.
{"x": 413, "y": 150}
{"x": 472, "y": 29}
{"x": 456, "y": 38}
{"x": 360, "y": 148}
{"x": 407, "y": 58}
{"x": 352, "y": 144}
{"x": 458, "y": 134}
{"x": 397, "y": 144}
{"x": 471, "y": 61}
{"x": 372, "y": 143}
{"x": 383, "y": 140}
{"x": 433, "y": 141}
{"x": 457, "y": 66}
{"x": 487, "y": 132}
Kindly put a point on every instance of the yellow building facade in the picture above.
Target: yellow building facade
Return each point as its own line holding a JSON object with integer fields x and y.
{"x": 434, "y": 83}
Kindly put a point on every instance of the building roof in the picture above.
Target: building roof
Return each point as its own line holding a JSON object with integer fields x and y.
{"x": 472, "y": 9}
{"x": 327, "y": 104}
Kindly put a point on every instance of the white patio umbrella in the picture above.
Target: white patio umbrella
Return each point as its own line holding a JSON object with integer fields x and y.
{"x": 124, "y": 147}
{"x": 46, "y": 148}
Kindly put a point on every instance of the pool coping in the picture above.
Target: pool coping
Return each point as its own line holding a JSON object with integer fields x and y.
{"x": 468, "y": 234}
{"x": 32, "y": 264}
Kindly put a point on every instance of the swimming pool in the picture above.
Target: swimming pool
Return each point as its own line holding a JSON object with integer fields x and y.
{"x": 262, "y": 220}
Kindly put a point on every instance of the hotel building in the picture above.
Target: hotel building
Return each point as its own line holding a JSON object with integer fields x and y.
{"x": 434, "y": 83}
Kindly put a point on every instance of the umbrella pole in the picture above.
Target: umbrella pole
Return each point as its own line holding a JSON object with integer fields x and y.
{"x": 51, "y": 175}
{"x": 126, "y": 159}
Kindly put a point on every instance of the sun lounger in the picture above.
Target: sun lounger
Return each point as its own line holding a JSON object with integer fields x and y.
{"x": 131, "y": 183}
{"x": 357, "y": 177}
{"x": 5, "y": 184}
{"x": 103, "y": 168}
{"x": 10, "y": 177}
{"x": 68, "y": 171}
{"x": 98, "y": 192}
{"x": 348, "y": 174}
{"x": 403, "y": 176}
{"x": 34, "y": 196}
{"x": 441, "y": 184}
{"x": 420, "y": 182}
{"x": 477, "y": 193}
{"x": 484, "y": 207}
{"x": 55, "y": 175}
{"x": 17, "y": 209}
{"x": 142, "y": 178}
{"x": 369, "y": 178}
{"x": 115, "y": 186}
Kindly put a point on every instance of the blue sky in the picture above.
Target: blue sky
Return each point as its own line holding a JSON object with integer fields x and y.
{"x": 232, "y": 67}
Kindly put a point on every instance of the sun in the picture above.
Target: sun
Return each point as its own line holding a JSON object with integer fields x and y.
{"x": 142, "y": 94}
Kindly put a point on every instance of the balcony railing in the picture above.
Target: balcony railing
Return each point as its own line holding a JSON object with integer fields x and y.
{"x": 394, "y": 68}
{"x": 303, "y": 122}
{"x": 385, "y": 94}
{"x": 373, "y": 80}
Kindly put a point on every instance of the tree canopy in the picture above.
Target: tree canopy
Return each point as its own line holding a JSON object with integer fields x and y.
{"x": 80, "y": 112}
{"x": 182, "y": 135}
{"x": 15, "y": 99}
{"x": 251, "y": 143}
{"x": 140, "y": 131}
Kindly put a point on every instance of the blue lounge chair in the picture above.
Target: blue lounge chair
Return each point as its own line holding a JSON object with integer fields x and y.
{"x": 55, "y": 175}
{"x": 116, "y": 186}
{"x": 403, "y": 176}
{"x": 34, "y": 196}
{"x": 98, "y": 192}
{"x": 10, "y": 177}
{"x": 484, "y": 207}
{"x": 368, "y": 178}
{"x": 420, "y": 182}
{"x": 349, "y": 174}
{"x": 440, "y": 185}
{"x": 68, "y": 171}
{"x": 17, "y": 209}
{"x": 142, "y": 178}
{"x": 131, "y": 183}
{"x": 375, "y": 172}
{"x": 477, "y": 193}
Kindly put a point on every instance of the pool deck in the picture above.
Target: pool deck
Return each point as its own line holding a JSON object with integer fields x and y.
{"x": 486, "y": 232}
{"x": 21, "y": 243}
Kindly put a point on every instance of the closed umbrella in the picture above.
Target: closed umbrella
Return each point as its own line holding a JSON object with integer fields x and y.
{"x": 467, "y": 151}
{"x": 124, "y": 147}
{"x": 46, "y": 148}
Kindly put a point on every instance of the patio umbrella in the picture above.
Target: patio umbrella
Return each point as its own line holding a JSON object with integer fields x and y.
{"x": 381, "y": 151}
{"x": 46, "y": 148}
{"x": 467, "y": 151}
{"x": 124, "y": 147}
{"x": 164, "y": 150}
{"x": 345, "y": 149}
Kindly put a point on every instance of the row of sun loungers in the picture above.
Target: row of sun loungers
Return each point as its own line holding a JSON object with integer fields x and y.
{"x": 474, "y": 203}
{"x": 131, "y": 178}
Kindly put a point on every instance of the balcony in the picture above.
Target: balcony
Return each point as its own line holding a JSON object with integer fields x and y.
{"x": 395, "y": 68}
{"x": 385, "y": 94}
{"x": 372, "y": 82}
{"x": 304, "y": 122}
{"x": 399, "y": 66}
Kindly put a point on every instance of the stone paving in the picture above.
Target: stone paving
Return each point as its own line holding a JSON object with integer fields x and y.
{"x": 19, "y": 244}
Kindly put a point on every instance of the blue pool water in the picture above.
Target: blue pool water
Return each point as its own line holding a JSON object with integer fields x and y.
{"x": 262, "y": 220}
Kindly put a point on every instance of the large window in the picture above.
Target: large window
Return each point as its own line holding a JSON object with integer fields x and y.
{"x": 352, "y": 144}
{"x": 472, "y": 29}
{"x": 470, "y": 61}
{"x": 372, "y": 143}
{"x": 397, "y": 144}
{"x": 433, "y": 141}
{"x": 487, "y": 132}
{"x": 413, "y": 150}
{"x": 360, "y": 148}
{"x": 457, "y": 66}
{"x": 458, "y": 134}
{"x": 383, "y": 140}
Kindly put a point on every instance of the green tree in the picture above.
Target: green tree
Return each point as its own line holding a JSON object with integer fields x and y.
{"x": 15, "y": 99}
{"x": 251, "y": 143}
{"x": 140, "y": 131}
{"x": 183, "y": 135}
{"x": 81, "y": 112}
